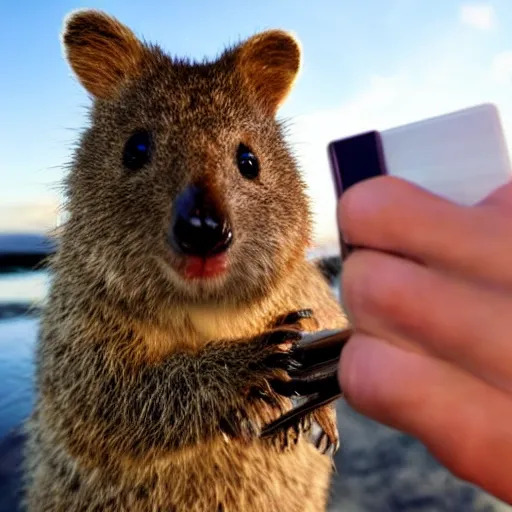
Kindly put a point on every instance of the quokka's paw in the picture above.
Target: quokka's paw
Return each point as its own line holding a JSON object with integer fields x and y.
{"x": 268, "y": 359}
{"x": 311, "y": 364}
{"x": 291, "y": 382}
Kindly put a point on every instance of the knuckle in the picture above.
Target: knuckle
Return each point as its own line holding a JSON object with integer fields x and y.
{"x": 375, "y": 284}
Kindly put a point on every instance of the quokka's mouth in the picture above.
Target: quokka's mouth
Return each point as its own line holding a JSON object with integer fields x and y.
{"x": 205, "y": 268}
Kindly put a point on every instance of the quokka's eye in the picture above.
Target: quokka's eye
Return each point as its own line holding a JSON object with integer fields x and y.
{"x": 137, "y": 150}
{"x": 247, "y": 162}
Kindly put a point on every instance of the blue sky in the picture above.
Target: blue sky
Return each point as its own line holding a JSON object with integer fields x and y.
{"x": 366, "y": 64}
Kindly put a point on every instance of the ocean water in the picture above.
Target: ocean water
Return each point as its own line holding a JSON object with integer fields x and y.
{"x": 17, "y": 339}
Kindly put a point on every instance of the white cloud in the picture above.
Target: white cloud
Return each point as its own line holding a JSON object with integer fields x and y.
{"x": 479, "y": 16}
{"x": 501, "y": 69}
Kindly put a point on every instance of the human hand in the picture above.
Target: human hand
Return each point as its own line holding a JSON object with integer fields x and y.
{"x": 430, "y": 299}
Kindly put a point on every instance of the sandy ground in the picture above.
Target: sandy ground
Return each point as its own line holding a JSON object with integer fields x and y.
{"x": 382, "y": 470}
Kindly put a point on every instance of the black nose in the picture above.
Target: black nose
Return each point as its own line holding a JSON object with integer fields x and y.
{"x": 197, "y": 226}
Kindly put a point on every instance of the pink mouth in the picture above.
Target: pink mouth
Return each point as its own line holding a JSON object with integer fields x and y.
{"x": 204, "y": 268}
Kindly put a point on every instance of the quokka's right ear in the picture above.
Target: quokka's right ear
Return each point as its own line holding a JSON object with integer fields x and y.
{"x": 102, "y": 52}
{"x": 270, "y": 62}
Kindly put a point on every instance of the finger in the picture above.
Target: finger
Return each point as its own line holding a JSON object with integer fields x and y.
{"x": 500, "y": 198}
{"x": 397, "y": 299}
{"x": 392, "y": 215}
{"x": 464, "y": 422}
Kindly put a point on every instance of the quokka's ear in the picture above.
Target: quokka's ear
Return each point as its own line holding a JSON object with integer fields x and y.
{"x": 269, "y": 62}
{"x": 102, "y": 52}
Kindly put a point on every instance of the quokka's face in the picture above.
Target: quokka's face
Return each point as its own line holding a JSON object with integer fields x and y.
{"x": 183, "y": 184}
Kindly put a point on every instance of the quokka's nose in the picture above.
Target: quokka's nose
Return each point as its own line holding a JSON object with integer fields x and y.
{"x": 197, "y": 227}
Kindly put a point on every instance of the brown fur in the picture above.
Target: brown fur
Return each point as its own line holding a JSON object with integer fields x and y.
{"x": 102, "y": 52}
{"x": 152, "y": 389}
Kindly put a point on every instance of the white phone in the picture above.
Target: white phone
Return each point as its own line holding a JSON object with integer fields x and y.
{"x": 461, "y": 156}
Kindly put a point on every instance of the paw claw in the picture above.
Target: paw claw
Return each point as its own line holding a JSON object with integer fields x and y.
{"x": 281, "y": 361}
{"x": 280, "y": 336}
{"x": 313, "y": 377}
{"x": 294, "y": 317}
{"x": 283, "y": 388}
